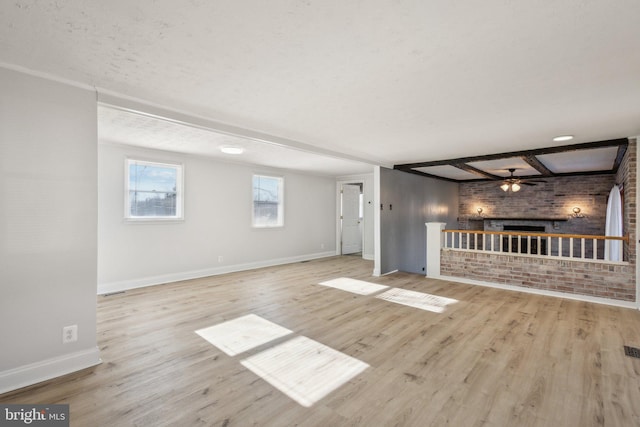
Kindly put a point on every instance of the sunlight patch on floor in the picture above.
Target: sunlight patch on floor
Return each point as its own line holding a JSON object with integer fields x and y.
{"x": 243, "y": 333}
{"x": 417, "y": 299}
{"x": 355, "y": 286}
{"x": 304, "y": 369}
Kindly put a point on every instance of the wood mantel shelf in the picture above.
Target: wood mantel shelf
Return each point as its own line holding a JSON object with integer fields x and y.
{"x": 519, "y": 219}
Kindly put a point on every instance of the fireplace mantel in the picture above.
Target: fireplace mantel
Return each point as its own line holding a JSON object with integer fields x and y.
{"x": 550, "y": 224}
{"x": 521, "y": 219}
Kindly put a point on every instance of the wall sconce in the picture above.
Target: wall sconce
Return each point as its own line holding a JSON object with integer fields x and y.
{"x": 479, "y": 210}
{"x": 576, "y": 213}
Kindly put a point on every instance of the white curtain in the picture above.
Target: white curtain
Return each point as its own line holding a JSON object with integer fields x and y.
{"x": 613, "y": 227}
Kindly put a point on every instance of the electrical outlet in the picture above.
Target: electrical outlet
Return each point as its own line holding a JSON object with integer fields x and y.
{"x": 69, "y": 334}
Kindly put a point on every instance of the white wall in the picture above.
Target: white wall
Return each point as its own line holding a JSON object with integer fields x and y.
{"x": 48, "y": 225}
{"x": 218, "y": 204}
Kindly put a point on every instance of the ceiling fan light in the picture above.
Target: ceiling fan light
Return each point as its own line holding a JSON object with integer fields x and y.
{"x": 515, "y": 187}
{"x": 505, "y": 187}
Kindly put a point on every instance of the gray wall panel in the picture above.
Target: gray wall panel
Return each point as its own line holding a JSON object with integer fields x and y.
{"x": 408, "y": 202}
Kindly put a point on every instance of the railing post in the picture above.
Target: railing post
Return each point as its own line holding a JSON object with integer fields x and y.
{"x": 435, "y": 238}
{"x": 560, "y": 251}
{"x": 570, "y": 247}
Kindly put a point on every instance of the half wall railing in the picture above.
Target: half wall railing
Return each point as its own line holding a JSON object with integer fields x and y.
{"x": 575, "y": 246}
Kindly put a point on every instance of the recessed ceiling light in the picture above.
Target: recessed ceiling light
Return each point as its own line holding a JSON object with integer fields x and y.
{"x": 232, "y": 150}
{"x": 563, "y": 138}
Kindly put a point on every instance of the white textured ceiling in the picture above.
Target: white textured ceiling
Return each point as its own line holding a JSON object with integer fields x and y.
{"x": 587, "y": 160}
{"x": 387, "y": 81}
{"x": 117, "y": 126}
{"x": 500, "y": 167}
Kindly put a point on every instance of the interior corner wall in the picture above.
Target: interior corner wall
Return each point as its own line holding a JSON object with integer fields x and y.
{"x": 216, "y": 235}
{"x": 626, "y": 177}
{"x": 408, "y": 202}
{"x": 48, "y": 228}
{"x": 368, "y": 250}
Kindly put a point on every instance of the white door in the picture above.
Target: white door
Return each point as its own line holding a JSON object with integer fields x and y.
{"x": 351, "y": 234}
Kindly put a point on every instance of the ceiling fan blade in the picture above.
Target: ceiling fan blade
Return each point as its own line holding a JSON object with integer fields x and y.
{"x": 528, "y": 183}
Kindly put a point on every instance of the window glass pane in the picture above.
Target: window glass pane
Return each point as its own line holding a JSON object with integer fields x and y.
{"x": 267, "y": 201}
{"x": 154, "y": 190}
{"x": 146, "y": 203}
{"x": 149, "y": 177}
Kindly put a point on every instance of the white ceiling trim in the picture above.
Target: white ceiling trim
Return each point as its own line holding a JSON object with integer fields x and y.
{"x": 46, "y": 76}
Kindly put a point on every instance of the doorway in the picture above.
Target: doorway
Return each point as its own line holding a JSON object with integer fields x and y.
{"x": 351, "y": 218}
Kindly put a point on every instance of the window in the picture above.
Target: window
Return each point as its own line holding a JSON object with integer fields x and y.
{"x": 153, "y": 190}
{"x": 268, "y": 208}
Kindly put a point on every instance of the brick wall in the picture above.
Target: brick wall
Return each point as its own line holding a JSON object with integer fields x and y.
{"x": 614, "y": 281}
{"x": 626, "y": 177}
{"x": 555, "y": 198}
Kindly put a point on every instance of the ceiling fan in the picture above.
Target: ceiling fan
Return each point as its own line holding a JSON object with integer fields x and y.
{"x": 514, "y": 184}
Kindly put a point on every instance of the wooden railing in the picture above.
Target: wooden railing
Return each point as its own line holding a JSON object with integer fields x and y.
{"x": 577, "y": 246}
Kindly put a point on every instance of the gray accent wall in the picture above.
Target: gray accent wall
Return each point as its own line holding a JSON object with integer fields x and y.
{"x": 408, "y": 202}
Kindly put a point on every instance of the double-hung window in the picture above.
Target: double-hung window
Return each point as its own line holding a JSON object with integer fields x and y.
{"x": 268, "y": 201}
{"x": 153, "y": 190}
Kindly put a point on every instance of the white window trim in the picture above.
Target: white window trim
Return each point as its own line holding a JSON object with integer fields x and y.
{"x": 280, "y": 202}
{"x": 179, "y": 217}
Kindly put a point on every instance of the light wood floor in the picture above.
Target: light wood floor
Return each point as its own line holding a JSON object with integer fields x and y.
{"x": 496, "y": 358}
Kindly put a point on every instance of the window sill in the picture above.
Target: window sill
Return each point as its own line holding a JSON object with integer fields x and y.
{"x": 153, "y": 220}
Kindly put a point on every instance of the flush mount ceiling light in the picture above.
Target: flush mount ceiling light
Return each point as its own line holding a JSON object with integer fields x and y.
{"x": 231, "y": 150}
{"x": 561, "y": 138}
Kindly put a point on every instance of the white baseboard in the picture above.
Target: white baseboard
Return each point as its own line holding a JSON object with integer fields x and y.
{"x": 577, "y": 297}
{"x": 33, "y": 373}
{"x": 124, "y": 285}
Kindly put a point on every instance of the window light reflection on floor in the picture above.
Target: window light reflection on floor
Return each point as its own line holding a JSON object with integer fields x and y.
{"x": 304, "y": 369}
{"x": 242, "y": 334}
{"x": 419, "y": 300}
{"x": 355, "y": 286}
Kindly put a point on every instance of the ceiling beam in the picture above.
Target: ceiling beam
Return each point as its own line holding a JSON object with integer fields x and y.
{"x": 616, "y": 164}
{"x": 471, "y": 169}
{"x": 548, "y": 150}
{"x": 537, "y": 165}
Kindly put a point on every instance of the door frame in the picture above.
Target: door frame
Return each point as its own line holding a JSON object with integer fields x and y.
{"x": 339, "y": 185}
